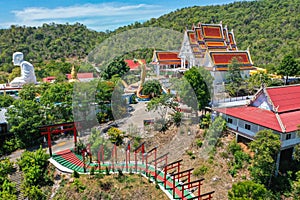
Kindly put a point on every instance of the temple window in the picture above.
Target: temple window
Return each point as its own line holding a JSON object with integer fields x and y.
{"x": 288, "y": 136}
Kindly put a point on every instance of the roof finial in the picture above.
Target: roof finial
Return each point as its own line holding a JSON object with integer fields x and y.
{"x": 193, "y": 26}
{"x": 199, "y": 24}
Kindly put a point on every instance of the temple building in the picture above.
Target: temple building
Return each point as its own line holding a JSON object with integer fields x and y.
{"x": 274, "y": 108}
{"x": 212, "y": 46}
{"x": 166, "y": 61}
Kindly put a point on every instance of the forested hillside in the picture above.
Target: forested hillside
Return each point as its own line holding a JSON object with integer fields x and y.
{"x": 270, "y": 28}
{"x": 49, "y": 42}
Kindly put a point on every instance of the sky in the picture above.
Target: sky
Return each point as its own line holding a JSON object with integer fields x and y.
{"x": 99, "y": 15}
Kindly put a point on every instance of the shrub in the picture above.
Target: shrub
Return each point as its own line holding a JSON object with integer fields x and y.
{"x": 190, "y": 153}
{"x": 233, "y": 147}
{"x": 224, "y": 155}
{"x": 200, "y": 171}
{"x": 199, "y": 143}
{"x": 115, "y": 136}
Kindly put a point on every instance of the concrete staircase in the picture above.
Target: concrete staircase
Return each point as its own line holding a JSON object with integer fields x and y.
{"x": 17, "y": 177}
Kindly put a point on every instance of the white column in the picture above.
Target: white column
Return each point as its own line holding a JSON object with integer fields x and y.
{"x": 157, "y": 70}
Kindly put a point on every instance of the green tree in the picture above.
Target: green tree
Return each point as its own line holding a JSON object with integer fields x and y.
{"x": 57, "y": 103}
{"x": 296, "y": 187}
{"x": 255, "y": 82}
{"x": 215, "y": 130}
{"x": 288, "y": 67}
{"x": 24, "y": 117}
{"x": 152, "y": 87}
{"x": 162, "y": 104}
{"x": 200, "y": 81}
{"x": 34, "y": 166}
{"x": 29, "y": 92}
{"x": 248, "y": 190}
{"x": 6, "y": 101}
{"x": 103, "y": 97}
{"x": 233, "y": 78}
{"x": 266, "y": 146}
{"x": 96, "y": 140}
{"x": 117, "y": 67}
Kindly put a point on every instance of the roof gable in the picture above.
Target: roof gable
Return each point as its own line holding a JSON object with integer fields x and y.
{"x": 225, "y": 58}
{"x": 212, "y": 31}
{"x": 134, "y": 65}
{"x": 166, "y": 58}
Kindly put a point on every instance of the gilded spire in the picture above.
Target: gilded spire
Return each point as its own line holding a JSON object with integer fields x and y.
{"x": 73, "y": 75}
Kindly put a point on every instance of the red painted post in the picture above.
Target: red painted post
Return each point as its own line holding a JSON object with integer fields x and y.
{"x": 102, "y": 152}
{"x": 174, "y": 188}
{"x": 135, "y": 161}
{"x": 49, "y": 141}
{"x": 143, "y": 151}
{"x": 199, "y": 192}
{"x": 126, "y": 161}
{"x": 75, "y": 135}
{"x": 182, "y": 191}
{"x": 165, "y": 177}
{"x": 99, "y": 160}
{"x": 147, "y": 165}
{"x": 115, "y": 147}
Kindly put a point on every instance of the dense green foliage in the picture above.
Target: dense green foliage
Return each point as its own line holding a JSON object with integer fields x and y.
{"x": 117, "y": 67}
{"x": 5, "y": 101}
{"x": 115, "y": 136}
{"x": 34, "y": 166}
{"x": 49, "y": 42}
{"x": 200, "y": 81}
{"x": 248, "y": 190}
{"x": 288, "y": 67}
{"x": 152, "y": 87}
{"x": 266, "y": 147}
{"x": 234, "y": 78}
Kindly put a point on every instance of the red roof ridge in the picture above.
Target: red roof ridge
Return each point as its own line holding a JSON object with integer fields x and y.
{"x": 283, "y": 86}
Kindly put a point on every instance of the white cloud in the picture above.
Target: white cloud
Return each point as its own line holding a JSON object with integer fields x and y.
{"x": 91, "y": 15}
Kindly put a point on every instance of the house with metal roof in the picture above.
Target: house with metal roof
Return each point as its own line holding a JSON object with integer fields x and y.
{"x": 274, "y": 108}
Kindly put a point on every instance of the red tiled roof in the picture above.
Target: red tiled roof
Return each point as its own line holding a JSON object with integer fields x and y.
{"x": 49, "y": 79}
{"x": 167, "y": 56}
{"x": 192, "y": 38}
{"x": 211, "y": 31}
{"x": 225, "y": 58}
{"x": 81, "y": 75}
{"x": 285, "y": 98}
{"x": 255, "y": 115}
{"x": 134, "y": 65}
{"x": 290, "y": 120}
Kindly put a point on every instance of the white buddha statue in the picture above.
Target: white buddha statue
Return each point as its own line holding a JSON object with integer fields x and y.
{"x": 27, "y": 71}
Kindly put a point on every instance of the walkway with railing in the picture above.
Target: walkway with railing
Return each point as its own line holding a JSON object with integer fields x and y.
{"x": 156, "y": 170}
